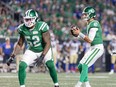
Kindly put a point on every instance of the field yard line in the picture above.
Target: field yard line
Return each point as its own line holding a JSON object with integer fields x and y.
{"x": 111, "y": 83}
{"x": 8, "y": 76}
{"x": 89, "y": 77}
{"x": 65, "y": 76}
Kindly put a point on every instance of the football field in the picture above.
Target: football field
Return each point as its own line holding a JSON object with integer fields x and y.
{"x": 65, "y": 80}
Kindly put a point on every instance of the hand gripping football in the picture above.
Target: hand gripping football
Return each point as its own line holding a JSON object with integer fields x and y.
{"x": 72, "y": 31}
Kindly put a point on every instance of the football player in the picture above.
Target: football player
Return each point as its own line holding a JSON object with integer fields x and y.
{"x": 37, "y": 35}
{"x": 54, "y": 45}
{"x": 94, "y": 37}
{"x": 112, "y": 50}
{"x": 74, "y": 49}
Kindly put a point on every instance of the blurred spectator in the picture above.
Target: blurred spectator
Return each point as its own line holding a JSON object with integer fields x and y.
{"x": 12, "y": 29}
{"x": 1, "y": 58}
{"x": 58, "y": 14}
{"x": 7, "y": 49}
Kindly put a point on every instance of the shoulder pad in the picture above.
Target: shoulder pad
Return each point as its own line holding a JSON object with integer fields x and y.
{"x": 95, "y": 23}
{"x": 43, "y": 26}
{"x": 19, "y": 28}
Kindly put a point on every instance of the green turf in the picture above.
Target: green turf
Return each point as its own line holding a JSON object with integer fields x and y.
{"x": 65, "y": 80}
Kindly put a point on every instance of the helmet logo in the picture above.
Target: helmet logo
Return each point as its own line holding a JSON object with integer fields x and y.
{"x": 91, "y": 11}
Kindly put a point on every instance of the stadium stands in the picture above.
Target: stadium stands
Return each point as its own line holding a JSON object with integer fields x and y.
{"x": 59, "y": 14}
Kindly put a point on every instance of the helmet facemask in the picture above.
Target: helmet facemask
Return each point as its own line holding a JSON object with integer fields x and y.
{"x": 29, "y": 22}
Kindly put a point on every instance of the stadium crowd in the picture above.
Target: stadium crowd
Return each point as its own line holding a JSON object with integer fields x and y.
{"x": 60, "y": 15}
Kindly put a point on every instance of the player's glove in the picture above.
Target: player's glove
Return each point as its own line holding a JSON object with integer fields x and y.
{"x": 72, "y": 32}
{"x": 11, "y": 59}
{"x": 39, "y": 60}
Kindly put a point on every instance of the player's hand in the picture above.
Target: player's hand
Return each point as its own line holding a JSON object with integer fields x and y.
{"x": 10, "y": 59}
{"x": 75, "y": 31}
{"x": 39, "y": 60}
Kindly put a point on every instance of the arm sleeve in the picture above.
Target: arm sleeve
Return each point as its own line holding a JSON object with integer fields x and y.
{"x": 92, "y": 33}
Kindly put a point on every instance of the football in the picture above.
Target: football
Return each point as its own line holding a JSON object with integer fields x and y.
{"x": 72, "y": 32}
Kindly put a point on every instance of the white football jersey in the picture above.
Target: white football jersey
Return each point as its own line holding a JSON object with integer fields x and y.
{"x": 113, "y": 45}
{"x": 54, "y": 44}
{"x": 74, "y": 47}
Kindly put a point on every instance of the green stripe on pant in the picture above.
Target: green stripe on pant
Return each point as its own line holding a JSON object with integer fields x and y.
{"x": 91, "y": 55}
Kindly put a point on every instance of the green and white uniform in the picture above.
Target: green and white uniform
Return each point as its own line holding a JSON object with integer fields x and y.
{"x": 34, "y": 41}
{"x": 36, "y": 46}
{"x": 94, "y": 33}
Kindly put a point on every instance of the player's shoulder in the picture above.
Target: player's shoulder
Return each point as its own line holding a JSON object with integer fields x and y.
{"x": 20, "y": 27}
{"x": 95, "y": 23}
{"x": 41, "y": 23}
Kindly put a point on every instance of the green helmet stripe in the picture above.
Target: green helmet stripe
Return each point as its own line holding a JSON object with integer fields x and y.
{"x": 27, "y": 13}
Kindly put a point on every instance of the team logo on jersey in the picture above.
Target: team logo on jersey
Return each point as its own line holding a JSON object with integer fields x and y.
{"x": 95, "y": 24}
{"x": 35, "y": 32}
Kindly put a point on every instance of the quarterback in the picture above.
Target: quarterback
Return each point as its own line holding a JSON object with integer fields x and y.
{"x": 36, "y": 34}
{"x": 94, "y": 37}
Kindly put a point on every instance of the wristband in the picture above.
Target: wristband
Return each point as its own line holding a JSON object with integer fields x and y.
{"x": 81, "y": 35}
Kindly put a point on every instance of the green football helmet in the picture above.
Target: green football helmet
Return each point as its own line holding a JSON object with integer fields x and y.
{"x": 30, "y": 18}
{"x": 88, "y": 13}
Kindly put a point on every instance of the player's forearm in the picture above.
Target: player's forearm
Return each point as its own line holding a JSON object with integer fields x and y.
{"x": 87, "y": 39}
{"x": 15, "y": 48}
{"x": 47, "y": 47}
{"x": 20, "y": 43}
{"x": 46, "y": 38}
{"x": 84, "y": 37}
